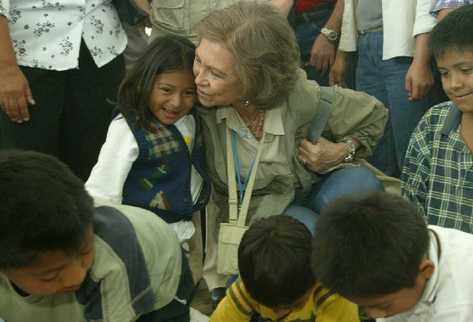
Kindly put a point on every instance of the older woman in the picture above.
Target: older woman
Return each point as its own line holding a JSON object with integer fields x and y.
{"x": 254, "y": 94}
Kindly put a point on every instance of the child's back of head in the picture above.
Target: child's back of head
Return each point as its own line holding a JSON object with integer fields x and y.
{"x": 274, "y": 261}
{"x": 371, "y": 246}
{"x": 44, "y": 208}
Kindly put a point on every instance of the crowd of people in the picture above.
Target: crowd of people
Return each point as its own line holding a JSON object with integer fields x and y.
{"x": 307, "y": 159}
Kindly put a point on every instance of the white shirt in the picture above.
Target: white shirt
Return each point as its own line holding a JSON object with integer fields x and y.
{"x": 448, "y": 295}
{"x": 402, "y": 21}
{"x": 47, "y": 34}
{"x": 117, "y": 156}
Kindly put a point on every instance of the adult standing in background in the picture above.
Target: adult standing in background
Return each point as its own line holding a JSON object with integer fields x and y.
{"x": 317, "y": 24}
{"x": 60, "y": 65}
{"x": 180, "y": 16}
{"x": 394, "y": 65}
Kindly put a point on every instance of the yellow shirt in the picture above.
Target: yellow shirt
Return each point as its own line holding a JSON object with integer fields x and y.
{"x": 321, "y": 306}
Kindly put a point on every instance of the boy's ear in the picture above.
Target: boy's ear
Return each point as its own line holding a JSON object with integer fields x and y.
{"x": 426, "y": 268}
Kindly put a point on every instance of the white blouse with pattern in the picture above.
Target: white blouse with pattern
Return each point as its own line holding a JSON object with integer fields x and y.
{"x": 47, "y": 34}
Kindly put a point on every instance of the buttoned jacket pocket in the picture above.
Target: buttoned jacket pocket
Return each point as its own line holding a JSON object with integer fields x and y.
{"x": 169, "y": 14}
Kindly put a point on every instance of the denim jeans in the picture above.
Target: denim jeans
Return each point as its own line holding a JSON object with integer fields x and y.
{"x": 345, "y": 181}
{"x": 385, "y": 80}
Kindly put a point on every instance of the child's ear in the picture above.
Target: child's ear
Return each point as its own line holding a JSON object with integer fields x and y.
{"x": 426, "y": 268}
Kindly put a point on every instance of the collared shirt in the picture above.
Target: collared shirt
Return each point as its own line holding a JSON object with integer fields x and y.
{"x": 248, "y": 145}
{"x": 438, "y": 169}
{"x": 48, "y": 34}
{"x": 321, "y": 306}
{"x": 448, "y": 294}
{"x": 438, "y": 5}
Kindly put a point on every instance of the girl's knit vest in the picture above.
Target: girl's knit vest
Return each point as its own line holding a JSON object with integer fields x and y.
{"x": 160, "y": 178}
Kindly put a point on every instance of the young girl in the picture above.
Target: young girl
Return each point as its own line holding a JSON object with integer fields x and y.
{"x": 153, "y": 155}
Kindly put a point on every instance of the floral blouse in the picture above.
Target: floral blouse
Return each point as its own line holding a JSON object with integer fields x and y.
{"x": 47, "y": 34}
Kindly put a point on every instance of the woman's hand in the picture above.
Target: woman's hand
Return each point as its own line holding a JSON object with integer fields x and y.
{"x": 323, "y": 155}
{"x": 15, "y": 94}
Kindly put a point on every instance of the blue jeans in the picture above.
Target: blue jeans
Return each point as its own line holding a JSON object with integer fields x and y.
{"x": 385, "y": 80}
{"x": 345, "y": 181}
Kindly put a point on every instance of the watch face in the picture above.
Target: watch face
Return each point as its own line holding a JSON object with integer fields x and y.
{"x": 332, "y": 35}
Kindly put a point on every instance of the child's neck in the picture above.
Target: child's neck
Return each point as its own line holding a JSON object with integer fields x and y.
{"x": 467, "y": 129}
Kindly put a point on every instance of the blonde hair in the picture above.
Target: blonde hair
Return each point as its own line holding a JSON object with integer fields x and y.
{"x": 263, "y": 45}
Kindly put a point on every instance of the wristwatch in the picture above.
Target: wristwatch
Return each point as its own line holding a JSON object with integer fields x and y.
{"x": 331, "y": 34}
{"x": 351, "y": 150}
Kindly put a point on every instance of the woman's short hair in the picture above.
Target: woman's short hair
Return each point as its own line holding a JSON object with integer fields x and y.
{"x": 263, "y": 45}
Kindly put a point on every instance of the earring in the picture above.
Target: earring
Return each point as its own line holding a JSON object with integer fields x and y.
{"x": 246, "y": 103}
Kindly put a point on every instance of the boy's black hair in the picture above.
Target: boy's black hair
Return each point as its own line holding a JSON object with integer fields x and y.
{"x": 274, "y": 261}
{"x": 453, "y": 32}
{"x": 164, "y": 54}
{"x": 370, "y": 245}
{"x": 44, "y": 207}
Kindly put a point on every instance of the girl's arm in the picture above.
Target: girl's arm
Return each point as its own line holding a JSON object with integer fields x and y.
{"x": 116, "y": 157}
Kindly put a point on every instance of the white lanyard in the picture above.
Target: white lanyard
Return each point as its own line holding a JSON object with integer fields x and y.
{"x": 239, "y": 214}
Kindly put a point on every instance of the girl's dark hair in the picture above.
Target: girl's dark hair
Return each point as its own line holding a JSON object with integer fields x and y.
{"x": 164, "y": 54}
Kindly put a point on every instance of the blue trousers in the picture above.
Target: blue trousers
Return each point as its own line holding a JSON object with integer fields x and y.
{"x": 345, "y": 181}
{"x": 385, "y": 80}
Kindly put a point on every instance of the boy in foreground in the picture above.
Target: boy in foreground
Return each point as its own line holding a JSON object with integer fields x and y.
{"x": 276, "y": 282}
{"x": 438, "y": 172}
{"x": 377, "y": 251}
{"x": 62, "y": 260}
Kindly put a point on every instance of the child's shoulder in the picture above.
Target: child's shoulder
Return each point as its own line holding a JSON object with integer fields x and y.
{"x": 124, "y": 219}
{"x": 437, "y": 117}
{"x": 330, "y": 306}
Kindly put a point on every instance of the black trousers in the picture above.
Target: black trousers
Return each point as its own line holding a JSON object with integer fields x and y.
{"x": 72, "y": 112}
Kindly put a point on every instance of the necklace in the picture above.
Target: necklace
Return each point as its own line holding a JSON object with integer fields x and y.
{"x": 255, "y": 124}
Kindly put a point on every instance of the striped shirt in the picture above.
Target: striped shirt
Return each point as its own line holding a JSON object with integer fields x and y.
{"x": 438, "y": 169}
{"x": 321, "y": 306}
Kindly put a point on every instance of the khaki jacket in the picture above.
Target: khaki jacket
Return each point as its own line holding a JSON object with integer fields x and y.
{"x": 180, "y": 16}
{"x": 280, "y": 175}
